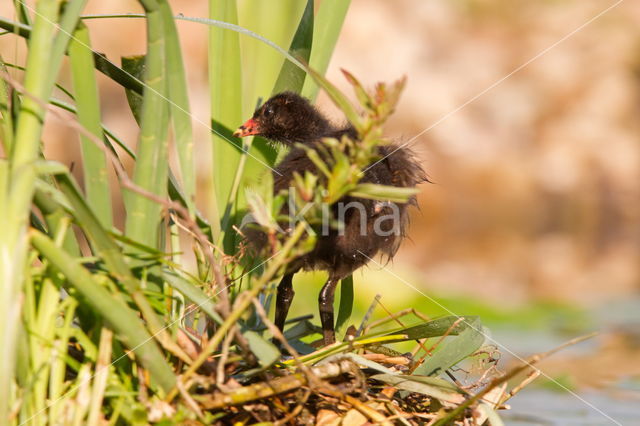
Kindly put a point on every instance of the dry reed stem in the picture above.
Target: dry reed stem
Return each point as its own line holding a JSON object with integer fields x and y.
{"x": 245, "y": 394}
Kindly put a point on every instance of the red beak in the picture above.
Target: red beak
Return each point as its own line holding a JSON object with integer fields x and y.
{"x": 249, "y": 128}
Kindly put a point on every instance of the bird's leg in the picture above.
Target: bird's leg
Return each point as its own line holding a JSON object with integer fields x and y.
{"x": 283, "y": 300}
{"x": 325, "y": 301}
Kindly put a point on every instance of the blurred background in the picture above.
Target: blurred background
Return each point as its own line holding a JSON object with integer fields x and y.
{"x": 526, "y": 120}
{"x": 533, "y": 220}
{"x": 537, "y": 180}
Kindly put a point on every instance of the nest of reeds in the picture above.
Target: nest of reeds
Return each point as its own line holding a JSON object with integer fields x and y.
{"x": 450, "y": 376}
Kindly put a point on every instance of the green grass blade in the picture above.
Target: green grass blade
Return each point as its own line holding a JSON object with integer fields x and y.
{"x": 179, "y": 108}
{"x": 103, "y": 364}
{"x": 264, "y": 350}
{"x": 292, "y": 77}
{"x": 328, "y": 24}
{"x": 18, "y": 181}
{"x": 194, "y": 294}
{"x": 174, "y": 189}
{"x": 24, "y": 31}
{"x": 450, "y": 352}
{"x": 108, "y": 250}
{"x": 431, "y": 386}
{"x": 261, "y": 65}
{"x": 151, "y": 170}
{"x": 31, "y": 116}
{"x": 6, "y": 117}
{"x": 276, "y": 21}
{"x": 22, "y": 12}
{"x": 372, "y": 191}
{"x": 55, "y": 216}
{"x": 226, "y": 102}
{"x": 117, "y": 74}
{"x": 346, "y": 303}
{"x": 434, "y": 328}
{"x": 67, "y": 25}
{"x": 101, "y": 242}
{"x": 339, "y": 99}
{"x": 94, "y": 161}
{"x": 58, "y": 368}
{"x": 123, "y": 320}
{"x": 134, "y": 65}
{"x": 41, "y": 332}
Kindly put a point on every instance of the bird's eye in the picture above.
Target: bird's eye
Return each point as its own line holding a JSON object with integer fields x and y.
{"x": 268, "y": 112}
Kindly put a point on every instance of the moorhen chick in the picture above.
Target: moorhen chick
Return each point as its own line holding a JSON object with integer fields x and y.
{"x": 289, "y": 119}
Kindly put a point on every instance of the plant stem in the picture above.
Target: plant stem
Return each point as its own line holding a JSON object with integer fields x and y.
{"x": 243, "y": 304}
{"x": 17, "y": 181}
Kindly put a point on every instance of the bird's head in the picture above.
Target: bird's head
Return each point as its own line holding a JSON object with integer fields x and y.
{"x": 287, "y": 118}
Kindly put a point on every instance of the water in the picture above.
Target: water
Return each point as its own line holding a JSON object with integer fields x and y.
{"x": 616, "y": 404}
{"x": 540, "y": 407}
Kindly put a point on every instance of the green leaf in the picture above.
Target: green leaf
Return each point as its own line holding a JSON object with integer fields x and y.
{"x": 103, "y": 244}
{"x": 94, "y": 160}
{"x": 179, "y": 106}
{"x": 317, "y": 161}
{"x": 362, "y": 95}
{"x": 117, "y": 74}
{"x": 151, "y": 169}
{"x": 291, "y": 76}
{"x": 434, "y": 328}
{"x": 346, "y": 303}
{"x": 225, "y": 82}
{"x": 47, "y": 45}
{"x": 490, "y": 414}
{"x": 266, "y": 351}
{"x": 327, "y": 27}
{"x": 452, "y": 351}
{"x": 6, "y": 117}
{"x": 431, "y": 386}
{"x": 44, "y": 167}
{"x": 193, "y": 293}
{"x": 123, "y": 320}
{"x": 374, "y": 191}
{"x": 300, "y": 330}
{"x": 54, "y": 211}
{"x": 22, "y": 12}
{"x": 277, "y": 22}
{"x": 260, "y": 209}
{"x": 339, "y": 99}
{"x": 134, "y": 65}
{"x": 340, "y": 180}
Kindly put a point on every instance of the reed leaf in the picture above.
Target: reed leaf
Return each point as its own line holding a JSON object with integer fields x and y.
{"x": 94, "y": 161}
{"x": 18, "y": 179}
{"x": 179, "y": 107}
{"x": 151, "y": 170}
{"x": 346, "y": 303}
{"x": 327, "y": 27}
{"x": 123, "y": 320}
{"x": 292, "y": 77}
{"x": 226, "y": 107}
{"x": 6, "y": 116}
{"x": 452, "y": 352}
